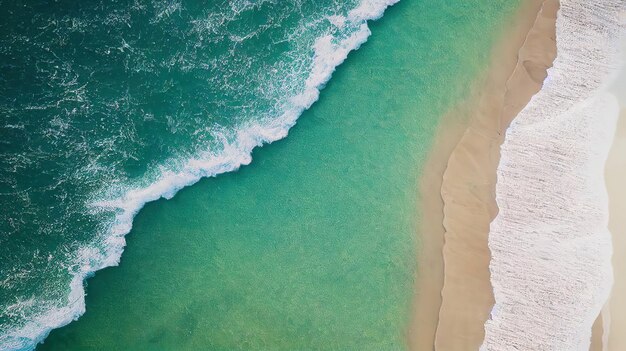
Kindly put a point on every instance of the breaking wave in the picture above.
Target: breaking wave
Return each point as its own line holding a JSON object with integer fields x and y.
{"x": 231, "y": 150}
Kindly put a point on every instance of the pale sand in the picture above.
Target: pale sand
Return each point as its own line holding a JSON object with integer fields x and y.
{"x": 453, "y": 300}
{"x": 615, "y": 181}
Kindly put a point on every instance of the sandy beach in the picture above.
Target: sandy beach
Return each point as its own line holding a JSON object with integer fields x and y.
{"x": 453, "y": 294}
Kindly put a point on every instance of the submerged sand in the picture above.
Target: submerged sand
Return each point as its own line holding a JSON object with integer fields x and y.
{"x": 454, "y": 295}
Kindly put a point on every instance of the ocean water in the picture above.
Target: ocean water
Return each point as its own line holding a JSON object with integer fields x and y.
{"x": 551, "y": 247}
{"x": 109, "y": 105}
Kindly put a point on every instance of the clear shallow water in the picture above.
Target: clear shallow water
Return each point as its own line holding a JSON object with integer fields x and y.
{"x": 311, "y": 246}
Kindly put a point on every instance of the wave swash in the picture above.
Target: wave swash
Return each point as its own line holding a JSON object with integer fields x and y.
{"x": 551, "y": 248}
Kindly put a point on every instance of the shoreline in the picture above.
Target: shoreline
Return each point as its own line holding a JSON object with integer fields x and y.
{"x": 453, "y": 300}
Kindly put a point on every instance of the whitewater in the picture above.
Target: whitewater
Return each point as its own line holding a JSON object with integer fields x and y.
{"x": 551, "y": 248}
{"x": 232, "y": 150}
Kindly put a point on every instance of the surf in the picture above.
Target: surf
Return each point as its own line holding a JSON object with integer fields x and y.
{"x": 231, "y": 149}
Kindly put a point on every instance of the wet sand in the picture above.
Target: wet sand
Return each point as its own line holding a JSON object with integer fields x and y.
{"x": 453, "y": 294}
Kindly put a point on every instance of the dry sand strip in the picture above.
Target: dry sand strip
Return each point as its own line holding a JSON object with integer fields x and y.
{"x": 607, "y": 332}
{"x": 453, "y": 293}
{"x": 615, "y": 177}
{"x": 597, "y": 331}
{"x": 608, "y": 329}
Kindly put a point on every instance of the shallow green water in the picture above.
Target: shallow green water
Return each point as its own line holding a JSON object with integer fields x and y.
{"x": 312, "y": 246}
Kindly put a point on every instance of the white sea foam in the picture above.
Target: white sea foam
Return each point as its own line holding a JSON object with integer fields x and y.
{"x": 329, "y": 52}
{"x": 551, "y": 249}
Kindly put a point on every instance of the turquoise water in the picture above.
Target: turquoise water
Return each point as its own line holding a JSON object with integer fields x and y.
{"x": 311, "y": 246}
